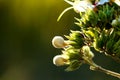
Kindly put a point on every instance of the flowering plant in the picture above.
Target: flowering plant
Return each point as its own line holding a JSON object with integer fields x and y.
{"x": 99, "y": 24}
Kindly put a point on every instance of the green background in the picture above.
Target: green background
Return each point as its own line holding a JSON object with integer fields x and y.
{"x": 26, "y": 30}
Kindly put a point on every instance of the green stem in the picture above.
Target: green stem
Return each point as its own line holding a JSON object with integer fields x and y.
{"x": 115, "y": 58}
{"x": 107, "y": 72}
{"x": 96, "y": 67}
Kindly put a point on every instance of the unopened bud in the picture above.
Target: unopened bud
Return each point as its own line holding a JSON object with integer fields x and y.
{"x": 87, "y": 52}
{"x": 60, "y": 60}
{"x": 58, "y": 42}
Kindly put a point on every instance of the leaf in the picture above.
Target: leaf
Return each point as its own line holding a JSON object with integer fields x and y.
{"x": 75, "y": 64}
{"x": 116, "y": 48}
{"x": 117, "y": 44}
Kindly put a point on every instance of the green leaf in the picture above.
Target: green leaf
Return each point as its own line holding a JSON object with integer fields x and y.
{"x": 76, "y": 39}
{"x": 75, "y": 64}
{"x": 73, "y": 53}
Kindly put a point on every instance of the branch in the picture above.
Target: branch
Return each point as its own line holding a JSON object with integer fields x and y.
{"x": 96, "y": 67}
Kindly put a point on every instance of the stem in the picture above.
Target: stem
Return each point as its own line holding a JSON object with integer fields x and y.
{"x": 107, "y": 71}
{"x": 96, "y": 67}
{"x": 115, "y": 58}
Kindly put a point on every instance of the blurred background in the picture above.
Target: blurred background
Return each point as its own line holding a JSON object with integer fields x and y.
{"x": 26, "y": 30}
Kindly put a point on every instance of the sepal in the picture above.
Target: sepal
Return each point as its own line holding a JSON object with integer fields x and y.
{"x": 74, "y": 65}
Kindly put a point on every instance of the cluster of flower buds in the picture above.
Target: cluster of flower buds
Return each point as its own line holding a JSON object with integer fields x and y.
{"x": 60, "y": 60}
{"x": 74, "y": 49}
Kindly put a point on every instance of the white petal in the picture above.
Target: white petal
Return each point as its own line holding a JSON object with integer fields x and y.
{"x": 117, "y": 2}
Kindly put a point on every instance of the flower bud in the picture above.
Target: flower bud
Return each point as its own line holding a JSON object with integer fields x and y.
{"x": 80, "y": 6}
{"x": 87, "y": 52}
{"x": 58, "y": 42}
{"x": 60, "y": 60}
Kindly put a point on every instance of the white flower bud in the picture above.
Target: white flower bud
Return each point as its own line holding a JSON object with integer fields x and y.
{"x": 58, "y": 42}
{"x": 87, "y": 52}
{"x": 60, "y": 60}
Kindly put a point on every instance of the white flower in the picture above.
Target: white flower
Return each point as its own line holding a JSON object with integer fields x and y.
{"x": 117, "y": 2}
{"x": 81, "y": 6}
{"x": 78, "y": 6}
{"x": 58, "y": 42}
{"x": 60, "y": 60}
